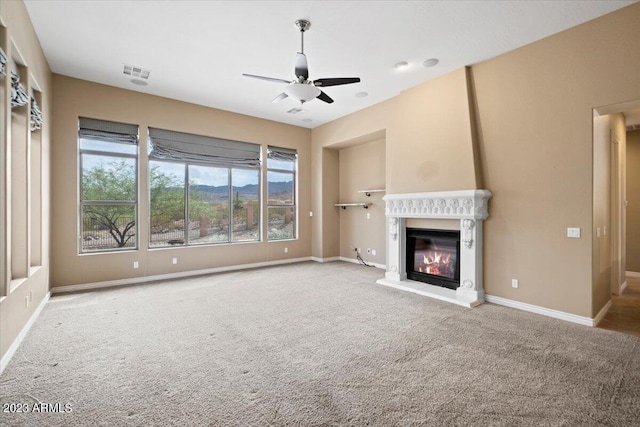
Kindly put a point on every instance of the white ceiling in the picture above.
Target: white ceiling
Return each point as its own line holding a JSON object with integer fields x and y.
{"x": 198, "y": 50}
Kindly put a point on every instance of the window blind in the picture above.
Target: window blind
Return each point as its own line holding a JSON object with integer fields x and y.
{"x": 104, "y": 130}
{"x": 279, "y": 153}
{"x": 171, "y": 145}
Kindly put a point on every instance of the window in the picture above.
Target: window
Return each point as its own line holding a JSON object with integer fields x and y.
{"x": 203, "y": 190}
{"x": 108, "y": 163}
{"x": 281, "y": 188}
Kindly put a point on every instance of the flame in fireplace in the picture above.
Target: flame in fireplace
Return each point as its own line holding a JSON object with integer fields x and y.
{"x": 436, "y": 262}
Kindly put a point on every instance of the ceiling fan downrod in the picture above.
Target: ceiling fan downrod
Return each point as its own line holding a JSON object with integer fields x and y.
{"x": 303, "y": 25}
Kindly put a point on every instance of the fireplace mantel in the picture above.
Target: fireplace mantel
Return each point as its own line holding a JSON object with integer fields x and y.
{"x": 467, "y": 206}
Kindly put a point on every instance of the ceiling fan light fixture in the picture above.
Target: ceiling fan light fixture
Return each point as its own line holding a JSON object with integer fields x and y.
{"x": 302, "y": 92}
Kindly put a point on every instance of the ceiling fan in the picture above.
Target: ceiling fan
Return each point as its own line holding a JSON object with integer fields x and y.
{"x": 301, "y": 88}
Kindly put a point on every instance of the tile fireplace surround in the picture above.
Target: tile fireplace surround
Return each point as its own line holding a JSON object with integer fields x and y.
{"x": 467, "y": 206}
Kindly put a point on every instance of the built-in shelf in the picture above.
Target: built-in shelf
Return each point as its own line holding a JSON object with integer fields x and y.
{"x": 368, "y": 192}
{"x": 347, "y": 205}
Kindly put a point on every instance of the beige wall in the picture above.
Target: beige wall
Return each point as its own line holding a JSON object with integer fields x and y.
{"x": 362, "y": 167}
{"x": 431, "y": 146}
{"x": 633, "y": 197}
{"x": 74, "y": 98}
{"x": 24, "y": 180}
{"x": 532, "y": 112}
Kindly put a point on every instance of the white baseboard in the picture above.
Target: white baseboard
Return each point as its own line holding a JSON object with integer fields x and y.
{"x": 23, "y": 333}
{"x": 602, "y": 313}
{"x": 182, "y": 274}
{"x": 331, "y": 259}
{"x": 581, "y": 320}
{"x": 623, "y": 287}
{"x": 355, "y": 261}
{"x": 632, "y": 274}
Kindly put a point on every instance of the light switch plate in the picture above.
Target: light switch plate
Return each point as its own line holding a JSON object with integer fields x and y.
{"x": 573, "y": 232}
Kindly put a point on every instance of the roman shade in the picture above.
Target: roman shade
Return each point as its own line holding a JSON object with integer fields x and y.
{"x": 171, "y": 145}
{"x": 278, "y": 153}
{"x": 103, "y": 130}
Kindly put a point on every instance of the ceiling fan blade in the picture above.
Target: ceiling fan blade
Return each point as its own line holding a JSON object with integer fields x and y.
{"x": 324, "y": 97}
{"x": 336, "y": 81}
{"x": 302, "y": 69}
{"x": 280, "y": 97}
{"x": 269, "y": 79}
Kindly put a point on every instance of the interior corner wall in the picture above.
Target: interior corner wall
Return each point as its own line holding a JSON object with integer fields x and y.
{"x": 20, "y": 299}
{"x": 535, "y": 115}
{"x": 331, "y": 220}
{"x": 633, "y": 199}
{"x": 77, "y": 98}
{"x": 617, "y": 230}
{"x": 363, "y": 126}
{"x": 362, "y": 167}
{"x": 601, "y": 255}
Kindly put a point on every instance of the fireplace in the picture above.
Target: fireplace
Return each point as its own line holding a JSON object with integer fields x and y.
{"x": 432, "y": 256}
{"x": 461, "y": 282}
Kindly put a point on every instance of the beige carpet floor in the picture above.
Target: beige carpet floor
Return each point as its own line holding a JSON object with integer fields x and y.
{"x": 312, "y": 345}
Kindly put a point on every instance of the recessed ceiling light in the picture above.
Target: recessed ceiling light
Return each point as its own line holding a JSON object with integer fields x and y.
{"x": 139, "y": 82}
{"x": 431, "y": 62}
{"x": 307, "y": 120}
{"x": 361, "y": 94}
{"x": 401, "y": 65}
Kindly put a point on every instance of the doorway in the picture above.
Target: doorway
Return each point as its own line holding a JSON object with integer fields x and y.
{"x": 611, "y": 277}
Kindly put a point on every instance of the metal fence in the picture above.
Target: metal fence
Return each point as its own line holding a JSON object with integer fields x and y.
{"x": 165, "y": 230}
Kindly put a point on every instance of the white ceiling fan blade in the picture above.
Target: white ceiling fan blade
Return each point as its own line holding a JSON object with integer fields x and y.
{"x": 280, "y": 97}
{"x": 269, "y": 79}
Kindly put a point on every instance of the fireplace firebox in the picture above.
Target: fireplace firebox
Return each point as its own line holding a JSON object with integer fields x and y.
{"x": 433, "y": 256}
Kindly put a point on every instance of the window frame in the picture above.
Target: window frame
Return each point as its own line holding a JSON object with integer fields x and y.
{"x": 187, "y": 191}
{"x": 82, "y": 203}
{"x": 294, "y": 196}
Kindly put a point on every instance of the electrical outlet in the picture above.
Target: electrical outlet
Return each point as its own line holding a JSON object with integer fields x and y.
{"x": 310, "y": 213}
{"x": 135, "y": 264}
{"x": 368, "y": 215}
{"x": 175, "y": 260}
{"x": 373, "y": 251}
{"x": 286, "y": 250}
{"x": 514, "y": 283}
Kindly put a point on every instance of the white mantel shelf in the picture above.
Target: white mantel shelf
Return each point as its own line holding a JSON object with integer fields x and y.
{"x": 470, "y": 207}
{"x": 465, "y": 204}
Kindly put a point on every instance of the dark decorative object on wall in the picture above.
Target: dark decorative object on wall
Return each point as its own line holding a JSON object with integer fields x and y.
{"x": 18, "y": 95}
{"x": 36, "y": 115}
{"x": 3, "y": 63}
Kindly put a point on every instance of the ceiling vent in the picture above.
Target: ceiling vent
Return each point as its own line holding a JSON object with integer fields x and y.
{"x": 133, "y": 71}
{"x": 294, "y": 110}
